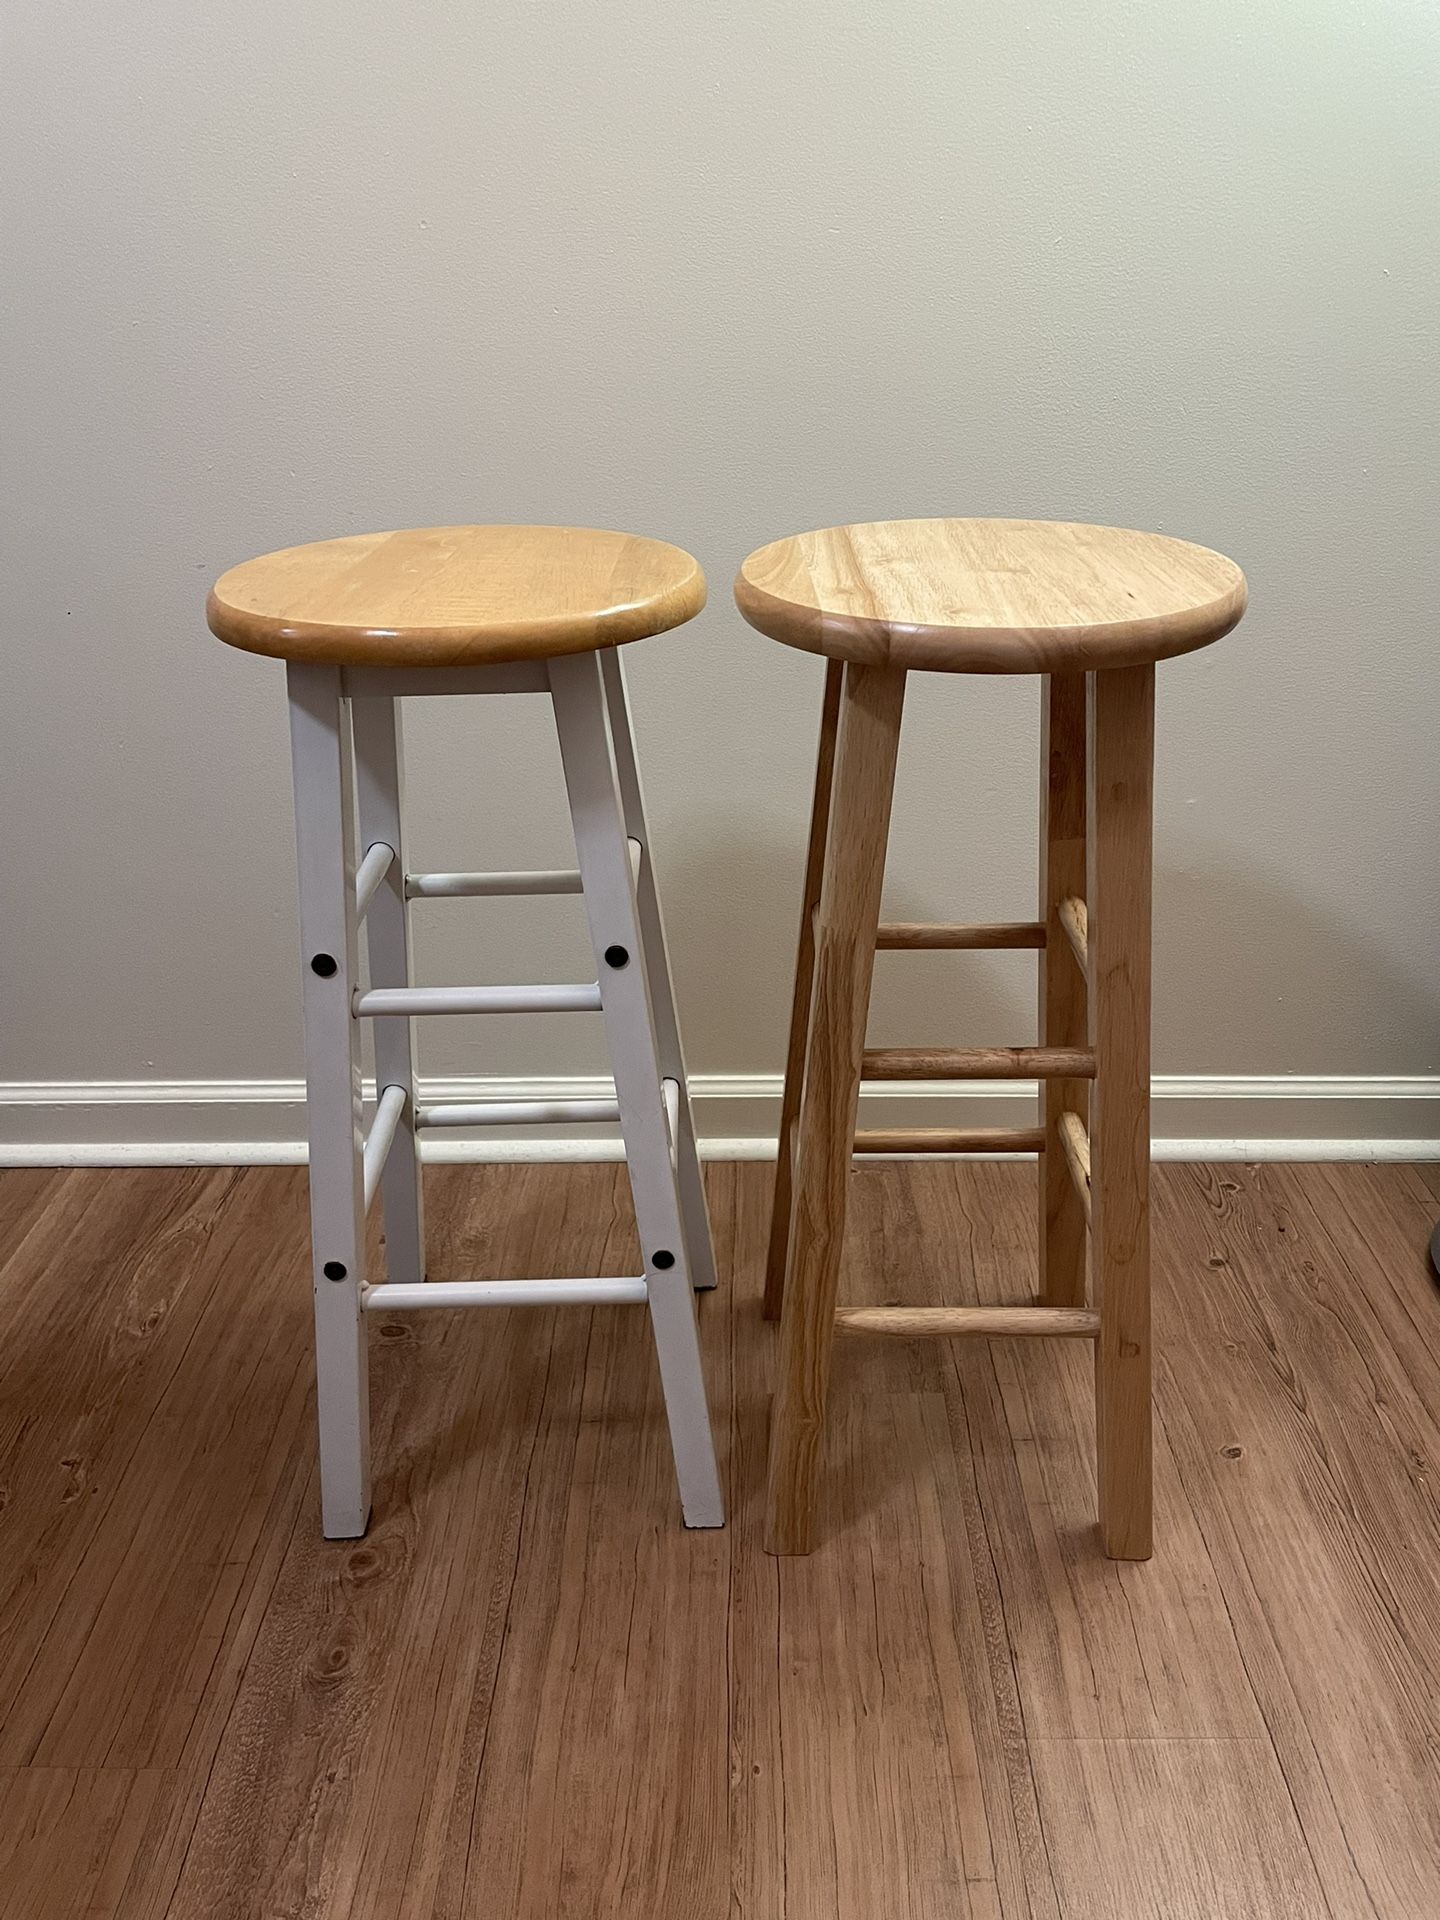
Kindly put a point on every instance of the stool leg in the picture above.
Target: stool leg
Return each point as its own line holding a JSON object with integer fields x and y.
{"x": 1063, "y": 1230}
{"x": 1121, "y": 724}
{"x": 693, "y": 1208}
{"x": 849, "y": 912}
{"x": 578, "y": 691}
{"x": 800, "y": 1002}
{"x": 325, "y": 841}
{"x": 379, "y": 791}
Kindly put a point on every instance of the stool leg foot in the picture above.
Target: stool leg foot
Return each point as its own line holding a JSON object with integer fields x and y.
{"x": 695, "y": 1212}
{"x": 849, "y": 912}
{"x": 779, "y": 1246}
{"x": 325, "y": 843}
{"x": 1121, "y": 753}
{"x": 379, "y": 794}
{"x": 1063, "y": 1232}
{"x": 608, "y": 877}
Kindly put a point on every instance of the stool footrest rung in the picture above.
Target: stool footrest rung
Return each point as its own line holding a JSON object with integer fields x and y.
{"x": 518, "y": 1113}
{"x": 950, "y": 1140}
{"x": 918, "y": 935}
{"x": 1075, "y": 919}
{"x": 380, "y": 1139}
{"x": 489, "y": 886}
{"x": 376, "y": 1001}
{"x": 368, "y": 875}
{"x": 1065, "y": 1323}
{"x": 1076, "y": 1142}
{"x": 507, "y": 1293}
{"x": 977, "y": 1063}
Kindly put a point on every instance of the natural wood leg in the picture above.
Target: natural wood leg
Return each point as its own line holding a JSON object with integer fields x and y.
{"x": 849, "y": 911}
{"x": 800, "y": 1003}
{"x": 1063, "y": 1232}
{"x": 1121, "y": 727}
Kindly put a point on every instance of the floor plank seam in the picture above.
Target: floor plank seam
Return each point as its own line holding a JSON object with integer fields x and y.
{"x": 1424, "y": 1337}
{"x": 218, "y": 1748}
{"x": 121, "y": 1467}
{"x": 1258, "y": 1691}
{"x": 1016, "y": 1695}
{"x": 521, "y": 1535}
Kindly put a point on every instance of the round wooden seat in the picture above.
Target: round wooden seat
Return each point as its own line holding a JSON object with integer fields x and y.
{"x": 990, "y": 596}
{"x": 455, "y": 596}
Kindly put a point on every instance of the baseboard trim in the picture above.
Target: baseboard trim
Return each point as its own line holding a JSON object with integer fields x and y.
{"x": 260, "y": 1122}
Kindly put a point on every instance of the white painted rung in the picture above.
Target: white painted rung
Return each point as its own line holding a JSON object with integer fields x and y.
{"x": 507, "y": 1293}
{"x": 378, "y": 1141}
{"x": 467, "y": 886}
{"x": 519, "y": 1113}
{"x": 419, "y": 1000}
{"x": 373, "y": 869}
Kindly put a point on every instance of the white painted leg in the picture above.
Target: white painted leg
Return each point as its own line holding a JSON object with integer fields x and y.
{"x": 578, "y": 690}
{"x": 325, "y": 841}
{"x": 379, "y": 784}
{"x": 657, "y": 971}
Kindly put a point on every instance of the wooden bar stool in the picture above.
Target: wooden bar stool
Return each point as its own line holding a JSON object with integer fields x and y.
{"x": 1092, "y": 609}
{"x": 363, "y": 622}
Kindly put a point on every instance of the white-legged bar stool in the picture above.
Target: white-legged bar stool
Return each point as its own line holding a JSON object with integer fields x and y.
{"x": 361, "y": 623}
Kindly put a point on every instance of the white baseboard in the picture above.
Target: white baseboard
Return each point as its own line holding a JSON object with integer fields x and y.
{"x": 261, "y": 1122}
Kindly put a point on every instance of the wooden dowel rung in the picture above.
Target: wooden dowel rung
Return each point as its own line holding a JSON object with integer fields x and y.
{"x": 900, "y": 935}
{"x": 1075, "y": 919}
{"x": 950, "y": 1140}
{"x": 1076, "y": 1142}
{"x": 1065, "y": 1323}
{"x": 977, "y": 1063}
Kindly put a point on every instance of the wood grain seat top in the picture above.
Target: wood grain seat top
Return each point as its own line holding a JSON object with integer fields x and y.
{"x": 990, "y": 596}
{"x": 453, "y": 596}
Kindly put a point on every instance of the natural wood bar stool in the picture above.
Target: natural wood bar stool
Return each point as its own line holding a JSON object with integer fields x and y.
{"x": 473, "y": 610}
{"x": 1092, "y": 609}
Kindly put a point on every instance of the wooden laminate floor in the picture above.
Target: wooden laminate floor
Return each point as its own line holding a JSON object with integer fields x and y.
{"x": 529, "y": 1692}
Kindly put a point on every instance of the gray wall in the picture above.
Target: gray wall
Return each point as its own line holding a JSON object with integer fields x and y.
{"x": 716, "y": 273}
